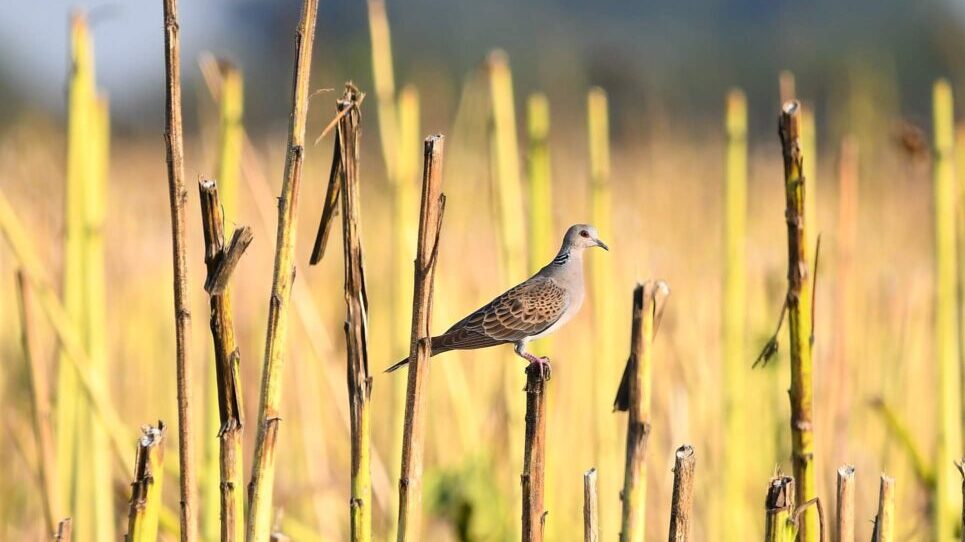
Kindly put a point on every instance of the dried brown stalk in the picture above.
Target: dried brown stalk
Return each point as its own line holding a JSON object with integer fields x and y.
{"x": 844, "y": 518}
{"x": 682, "y": 505}
{"x": 356, "y": 316}
{"x": 263, "y": 468}
{"x": 173, "y": 137}
{"x": 413, "y": 439}
{"x": 634, "y": 395}
{"x": 220, "y": 261}
{"x": 146, "y": 488}
{"x": 534, "y": 455}
{"x": 885, "y": 520}
{"x": 591, "y": 508}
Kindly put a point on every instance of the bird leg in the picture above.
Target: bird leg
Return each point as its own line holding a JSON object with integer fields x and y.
{"x": 542, "y": 363}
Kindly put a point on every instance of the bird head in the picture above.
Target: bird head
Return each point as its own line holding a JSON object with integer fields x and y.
{"x": 581, "y": 236}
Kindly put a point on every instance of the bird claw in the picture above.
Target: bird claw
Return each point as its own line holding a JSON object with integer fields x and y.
{"x": 541, "y": 364}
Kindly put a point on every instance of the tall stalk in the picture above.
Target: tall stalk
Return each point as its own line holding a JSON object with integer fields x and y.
{"x": 406, "y": 229}
{"x": 356, "y": 315}
{"x": 601, "y": 280}
{"x": 798, "y": 304}
{"x": 413, "y": 438}
{"x": 142, "y": 523}
{"x": 69, "y": 406}
{"x": 735, "y": 513}
{"x": 95, "y": 320}
{"x": 219, "y": 259}
{"x": 177, "y": 192}
{"x": 505, "y": 167}
{"x": 539, "y": 181}
{"x": 946, "y": 339}
{"x": 263, "y": 468}
{"x": 231, "y": 135}
{"x": 635, "y": 396}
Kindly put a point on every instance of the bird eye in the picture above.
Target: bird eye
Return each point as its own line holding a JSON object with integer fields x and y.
{"x": 583, "y": 233}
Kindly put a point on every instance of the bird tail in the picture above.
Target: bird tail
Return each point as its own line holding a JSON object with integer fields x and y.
{"x": 403, "y": 362}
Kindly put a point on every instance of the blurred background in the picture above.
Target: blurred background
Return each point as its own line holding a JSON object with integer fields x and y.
{"x": 636, "y": 143}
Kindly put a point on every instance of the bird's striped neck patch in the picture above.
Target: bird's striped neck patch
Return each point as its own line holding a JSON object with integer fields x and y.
{"x": 561, "y": 258}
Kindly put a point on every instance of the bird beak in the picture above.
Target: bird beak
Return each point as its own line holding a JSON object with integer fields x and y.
{"x": 602, "y": 245}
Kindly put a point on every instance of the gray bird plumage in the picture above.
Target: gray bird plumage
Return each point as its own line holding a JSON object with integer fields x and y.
{"x": 533, "y": 309}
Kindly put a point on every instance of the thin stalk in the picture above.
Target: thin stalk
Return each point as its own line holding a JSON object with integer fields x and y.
{"x": 80, "y": 95}
{"x": 227, "y": 365}
{"x": 598, "y": 127}
{"x": 142, "y": 521}
{"x": 178, "y": 194}
{"x": 384, "y": 79}
{"x": 682, "y": 505}
{"x": 779, "y": 524}
{"x": 406, "y": 230}
{"x": 263, "y": 469}
{"x": 539, "y": 181}
{"x": 356, "y": 316}
{"x": 844, "y": 517}
{"x": 845, "y": 315}
{"x": 591, "y": 508}
{"x": 413, "y": 439}
{"x": 95, "y": 318}
{"x": 505, "y": 167}
{"x": 230, "y": 137}
{"x": 649, "y": 300}
{"x": 534, "y": 455}
{"x": 946, "y": 320}
{"x": 64, "y": 530}
{"x": 736, "y": 519}
{"x": 885, "y": 520}
{"x": 40, "y": 403}
{"x": 799, "y": 320}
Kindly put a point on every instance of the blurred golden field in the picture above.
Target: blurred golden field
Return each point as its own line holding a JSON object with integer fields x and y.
{"x": 659, "y": 204}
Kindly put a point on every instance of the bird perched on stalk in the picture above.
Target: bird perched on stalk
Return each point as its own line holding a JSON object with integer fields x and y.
{"x": 530, "y": 310}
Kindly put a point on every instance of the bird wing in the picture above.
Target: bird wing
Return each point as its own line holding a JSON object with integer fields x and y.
{"x": 523, "y": 311}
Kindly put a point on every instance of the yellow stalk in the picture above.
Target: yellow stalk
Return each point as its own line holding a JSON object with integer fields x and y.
{"x": 95, "y": 318}
{"x": 946, "y": 339}
{"x": 508, "y": 193}
{"x": 80, "y": 93}
{"x": 263, "y": 468}
{"x": 539, "y": 182}
{"x": 384, "y": 80}
{"x": 798, "y": 305}
{"x": 505, "y": 166}
{"x": 735, "y": 513}
{"x": 145, "y": 507}
{"x": 231, "y": 138}
{"x": 406, "y": 230}
{"x": 606, "y": 371}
